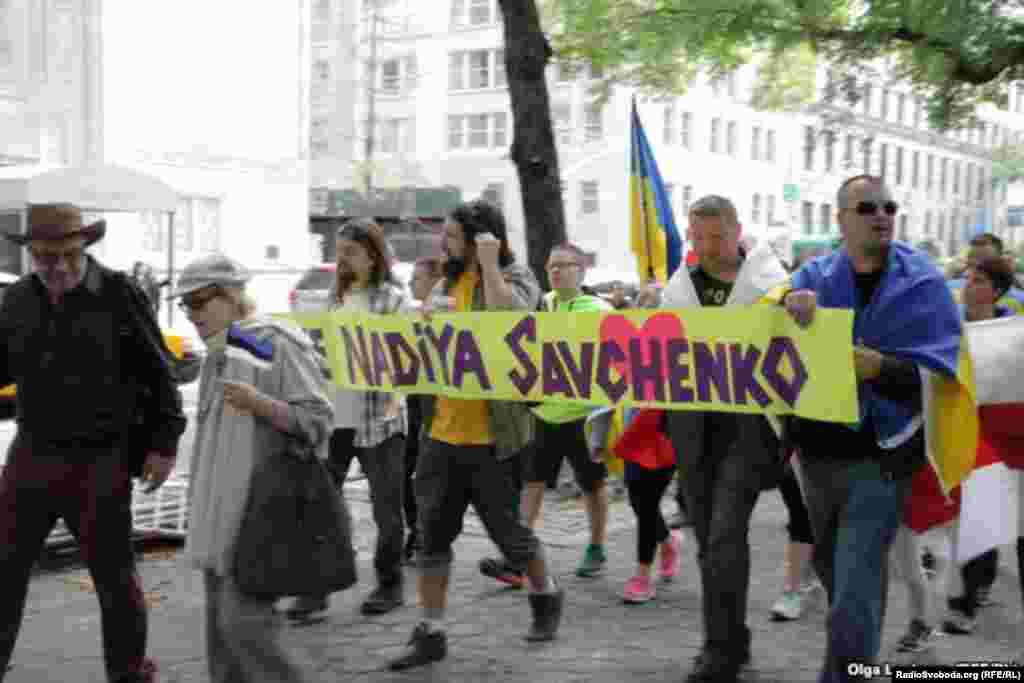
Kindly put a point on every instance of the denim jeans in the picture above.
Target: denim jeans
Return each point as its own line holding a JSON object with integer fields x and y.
{"x": 855, "y": 512}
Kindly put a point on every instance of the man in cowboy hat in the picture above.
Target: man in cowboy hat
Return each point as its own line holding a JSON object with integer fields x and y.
{"x": 88, "y": 357}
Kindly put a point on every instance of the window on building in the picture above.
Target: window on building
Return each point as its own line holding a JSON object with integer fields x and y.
{"x": 755, "y": 143}
{"x": 393, "y": 136}
{"x": 322, "y": 70}
{"x": 927, "y": 223}
{"x": 322, "y": 10}
{"x": 495, "y": 194}
{"x": 562, "y": 120}
{"x": 474, "y": 13}
{"x": 593, "y": 124}
{"x": 476, "y": 70}
{"x": 730, "y": 84}
{"x": 915, "y": 168}
{"x": 478, "y": 131}
{"x": 755, "y": 209}
{"x": 769, "y": 146}
{"x": 969, "y": 180}
{"x": 390, "y": 76}
{"x": 825, "y": 219}
{"x": 830, "y": 151}
{"x": 848, "y": 152}
{"x": 899, "y": 165}
{"x": 808, "y": 218}
{"x": 901, "y": 108}
{"x": 809, "y": 144}
{"x": 983, "y": 182}
{"x": 686, "y": 130}
{"x": 669, "y": 124}
{"x": 730, "y": 139}
{"x": 883, "y": 103}
{"x": 590, "y": 201}
{"x": 154, "y": 231}
{"x": 943, "y": 177}
{"x": 903, "y": 233}
{"x": 941, "y": 232}
{"x": 866, "y": 99}
{"x": 184, "y": 235}
{"x": 918, "y": 112}
{"x": 883, "y": 161}
{"x": 866, "y": 146}
{"x": 956, "y": 178}
{"x": 929, "y": 175}
{"x": 687, "y": 198}
{"x": 206, "y": 217}
{"x": 770, "y": 209}
{"x": 716, "y": 125}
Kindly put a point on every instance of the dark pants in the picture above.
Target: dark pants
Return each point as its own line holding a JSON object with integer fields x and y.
{"x": 646, "y": 487}
{"x": 93, "y": 495}
{"x": 855, "y": 512}
{"x": 555, "y": 442}
{"x": 799, "y": 526}
{"x": 720, "y": 499}
{"x": 977, "y": 574}
{"x": 384, "y": 465}
{"x": 450, "y": 478}
{"x": 412, "y": 452}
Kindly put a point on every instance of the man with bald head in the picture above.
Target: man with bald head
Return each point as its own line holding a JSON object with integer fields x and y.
{"x": 904, "y": 318}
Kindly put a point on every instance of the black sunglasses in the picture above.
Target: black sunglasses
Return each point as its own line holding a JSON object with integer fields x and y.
{"x": 870, "y": 208}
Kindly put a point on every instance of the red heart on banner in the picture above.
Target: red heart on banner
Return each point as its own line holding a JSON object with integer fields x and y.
{"x": 621, "y": 330}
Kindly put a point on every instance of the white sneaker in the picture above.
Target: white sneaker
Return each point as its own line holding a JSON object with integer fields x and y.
{"x": 789, "y": 607}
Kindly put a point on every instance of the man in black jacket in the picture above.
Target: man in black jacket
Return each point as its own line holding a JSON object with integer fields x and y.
{"x": 88, "y": 359}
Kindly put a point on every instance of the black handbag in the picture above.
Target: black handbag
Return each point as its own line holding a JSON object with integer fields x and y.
{"x": 296, "y": 535}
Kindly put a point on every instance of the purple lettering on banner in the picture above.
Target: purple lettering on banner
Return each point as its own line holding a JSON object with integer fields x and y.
{"x": 468, "y": 359}
{"x": 609, "y": 354}
{"x": 711, "y": 369}
{"x": 649, "y": 374}
{"x": 555, "y": 379}
{"x": 678, "y": 371}
{"x": 523, "y": 381}
{"x": 356, "y": 354}
{"x": 441, "y": 345}
{"x": 396, "y": 346}
{"x": 787, "y": 389}
{"x": 744, "y": 380}
{"x": 582, "y": 375}
{"x": 380, "y": 360}
{"x": 421, "y": 344}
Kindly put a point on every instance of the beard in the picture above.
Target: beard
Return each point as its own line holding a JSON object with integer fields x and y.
{"x": 454, "y": 268}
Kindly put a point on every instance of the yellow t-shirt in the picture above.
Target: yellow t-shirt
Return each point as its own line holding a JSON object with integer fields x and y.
{"x": 462, "y": 422}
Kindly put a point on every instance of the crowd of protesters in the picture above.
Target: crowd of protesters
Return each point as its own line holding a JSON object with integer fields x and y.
{"x": 427, "y": 458}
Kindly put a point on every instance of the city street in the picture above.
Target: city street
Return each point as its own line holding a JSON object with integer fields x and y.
{"x": 602, "y": 640}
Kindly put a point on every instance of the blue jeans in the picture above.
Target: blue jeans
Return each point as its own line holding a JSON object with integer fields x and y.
{"x": 855, "y": 512}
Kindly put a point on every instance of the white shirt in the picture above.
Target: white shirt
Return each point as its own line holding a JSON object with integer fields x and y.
{"x": 347, "y": 403}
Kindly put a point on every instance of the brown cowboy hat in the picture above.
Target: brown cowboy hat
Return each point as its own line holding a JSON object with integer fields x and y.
{"x": 54, "y": 222}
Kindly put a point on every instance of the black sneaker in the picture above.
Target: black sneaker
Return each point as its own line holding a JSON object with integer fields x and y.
{"x": 984, "y": 596}
{"x": 917, "y": 639}
{"x": 503, "y": 572}
{"x": 425, "y": 646}
{"x": 710, "y": 667}
{"x": 307, "y": 608}
{"x": 383, "y": 600}
{"x": 959, "y": 622}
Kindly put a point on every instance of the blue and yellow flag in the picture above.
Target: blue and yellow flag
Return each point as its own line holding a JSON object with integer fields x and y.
{"x": 653, "y": 235}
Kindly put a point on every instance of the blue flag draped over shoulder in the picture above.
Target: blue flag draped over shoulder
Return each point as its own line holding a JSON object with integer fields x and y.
{"x": 911, "y": 316}
{"x": 653, "y": 235}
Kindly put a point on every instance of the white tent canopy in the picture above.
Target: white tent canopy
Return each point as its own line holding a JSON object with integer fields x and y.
{"x": 91, "y": 188}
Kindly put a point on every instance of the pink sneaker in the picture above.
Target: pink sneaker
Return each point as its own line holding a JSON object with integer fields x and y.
{"x": 638, "y": 590}
{"x": 668, "y": 563}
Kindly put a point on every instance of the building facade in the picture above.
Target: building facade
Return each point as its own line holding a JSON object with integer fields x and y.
{"x": 429, "y": 81}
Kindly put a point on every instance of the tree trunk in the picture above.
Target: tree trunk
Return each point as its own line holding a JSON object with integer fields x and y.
{"x": 527, "y": 53}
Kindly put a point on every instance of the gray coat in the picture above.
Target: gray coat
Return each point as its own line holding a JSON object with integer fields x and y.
{"x": 228, "y": 445}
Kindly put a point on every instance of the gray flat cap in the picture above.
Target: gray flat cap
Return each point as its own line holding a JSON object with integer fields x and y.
{"x": 210, "y": 271}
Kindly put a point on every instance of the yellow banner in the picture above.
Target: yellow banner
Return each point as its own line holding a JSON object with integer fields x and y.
{"x": 740, "y": 360}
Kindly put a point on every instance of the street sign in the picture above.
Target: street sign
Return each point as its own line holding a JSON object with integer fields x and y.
{"x": 790, "y": 192}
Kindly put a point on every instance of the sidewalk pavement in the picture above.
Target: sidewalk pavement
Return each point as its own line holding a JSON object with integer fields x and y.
{"x": 601, "y": 640}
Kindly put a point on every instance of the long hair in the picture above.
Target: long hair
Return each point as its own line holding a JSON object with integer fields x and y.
{"x": 479, "y": 216}
{"x": 370, "y": 235}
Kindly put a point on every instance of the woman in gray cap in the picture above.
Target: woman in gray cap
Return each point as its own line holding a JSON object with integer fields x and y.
{"x": 262, "y": 390}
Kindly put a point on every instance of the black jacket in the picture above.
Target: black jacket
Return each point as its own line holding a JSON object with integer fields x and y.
{"x": 94, "y": 371}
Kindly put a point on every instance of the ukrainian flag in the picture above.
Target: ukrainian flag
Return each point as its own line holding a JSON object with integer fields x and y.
{"x": 653, "y": 235}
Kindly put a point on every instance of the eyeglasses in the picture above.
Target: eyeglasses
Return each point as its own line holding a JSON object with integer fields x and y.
{"x": 870, "y": 208}
{"x": 563, "y": 266}
{"x": 51, "y": 259}
{"x": 197, "y": 303}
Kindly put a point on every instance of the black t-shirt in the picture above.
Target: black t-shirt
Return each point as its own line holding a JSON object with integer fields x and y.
{"x": 711, "y": 290}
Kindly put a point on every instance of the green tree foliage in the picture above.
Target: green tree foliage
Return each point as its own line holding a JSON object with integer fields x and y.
{"x": 957, "y": 53}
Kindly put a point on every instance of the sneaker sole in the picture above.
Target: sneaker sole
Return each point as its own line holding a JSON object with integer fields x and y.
{"x": 637, "y": 601}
